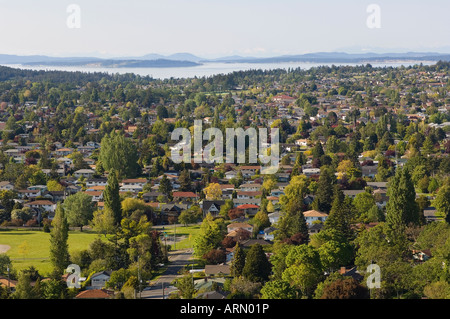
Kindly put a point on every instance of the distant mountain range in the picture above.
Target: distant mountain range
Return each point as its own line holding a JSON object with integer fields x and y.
{"x": 187, "y": 59}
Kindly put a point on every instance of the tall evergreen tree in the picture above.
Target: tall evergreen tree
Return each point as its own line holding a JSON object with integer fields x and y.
{"x": 237, "y": 266}
{"x": 257, "y": 267}
{"x": 165, "y": 187}
{"x": 185, "y": 181}
{"x": 341, "y": 214}
{"x": 24, "y": 290}
{"x": 402, "y": 208}
{"x": 111, "y": 196}
{"x": 293, "y": 221}
{"x": 324, "y": 196}
{"x": 59, "y": 248}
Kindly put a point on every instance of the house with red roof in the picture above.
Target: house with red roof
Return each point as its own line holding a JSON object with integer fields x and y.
{"x": 180, "y": 196}
{"x": 248, "y": 209}
{"x": 95, "y": 294}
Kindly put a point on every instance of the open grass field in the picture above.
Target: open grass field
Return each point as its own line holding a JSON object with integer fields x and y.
{"x": 185, "y": 235}
{"x": 31, "y": 247}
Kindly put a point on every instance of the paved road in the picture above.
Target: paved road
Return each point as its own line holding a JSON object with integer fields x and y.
{"x": 162, "y": 286}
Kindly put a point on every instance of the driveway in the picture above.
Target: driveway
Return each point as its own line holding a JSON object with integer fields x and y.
{"x": 162, "y": 286}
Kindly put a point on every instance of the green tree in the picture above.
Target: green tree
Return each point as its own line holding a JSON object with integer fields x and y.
{"x": 257, "y": 267}
{"x": 401, "y": 209}
{"x": 442, "y": 202}
{"x": 209, "y": 237}
{"x": 341, "y": 215}
{"x": 24, "y": 290}
{"x": 324, "y": 196}
{"x": 363, "y": 202}
{"x": 347, "y": 288}
{"x": 303, "y": 269}
{"x": 238, "y": 263}
{"x": 78, "y": 209}
{"x": 165, "y": 186}
{"x": 278, "y": 289}
{"x": 185, "y": 181}
{"x": 59, "y": 248}
{"x": 186, "y": 287}
{"x": 111, "y": 196}
{"x": 120, "y": 154}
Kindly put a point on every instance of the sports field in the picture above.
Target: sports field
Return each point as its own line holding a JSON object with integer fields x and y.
{"x": 31, "y": 247}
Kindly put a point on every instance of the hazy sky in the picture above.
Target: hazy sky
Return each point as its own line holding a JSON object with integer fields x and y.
{"x": 211, "y": 28}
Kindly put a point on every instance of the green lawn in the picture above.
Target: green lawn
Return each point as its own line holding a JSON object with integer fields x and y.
{"x": 185, "y": 235}
{"x": 31, "y": 247}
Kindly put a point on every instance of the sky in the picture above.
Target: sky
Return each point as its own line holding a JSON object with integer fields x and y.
{"x": 213, "y": 28}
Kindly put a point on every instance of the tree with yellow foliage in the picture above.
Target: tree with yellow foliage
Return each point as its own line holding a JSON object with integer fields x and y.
{"x": 213, "y": 191}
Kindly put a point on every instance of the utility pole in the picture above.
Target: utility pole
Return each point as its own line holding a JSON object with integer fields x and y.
{"x": 139, "y": 276}
{"x": 174, "y": 238}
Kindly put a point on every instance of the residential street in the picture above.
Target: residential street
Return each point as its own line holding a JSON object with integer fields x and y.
{"x": 162, "y": 286}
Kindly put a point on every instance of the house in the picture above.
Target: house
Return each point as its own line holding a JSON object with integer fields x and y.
{"x": 381, "y": 197}
{"x": 283, "y": 98}
{"x": 99, "y": 279}
{"x": 63, "y": 151}
{"x": 248, "y": 194}
{"x": 352, "y": 192}
{"x": 377, "y": 185}
{"x": 250, "y": 187}
{"x": 249, "y": 209}
{"x": 239, "y": 235}
{"x": 212, "y": 207}
{"x": 369, "y": 171}
{"x": 236, "y": 226}
{"x": 86, "y": 173}
{"x": 95, "y": 294}
{"x": 311, "y": 171}
{"x": 430, "y": 214}
{"x": 55, "y": 196}
{"x": 269, "y": 233}
{"x": 42, "y": 204}
{"x": 171, "y": 211}
{"x": 96, "y": 182}
{"x": 97, "y": 196}
{"x": 181, "y": 196}
{"x": 6, "y": 186}
{"x": 230, "y": 175}
{"x": 217, "y": 270}
{"x": 28, "y": 193}
{"x": 313, "y": 215}
{"x": 301, "y": 142}
{"x": 351, "y": 272}
{"x": 241, "y": 201}
{"x": 60, "y": 171}
{"x": 152, "y": 196}
{"x": 249, "y": 170}
{"x": 274, "y": 217}
{"x": 135, "y": 182}
{"x": 131, "y": 188}
{"x": 314, "y": 228}
{"x": 250, "y": 242}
